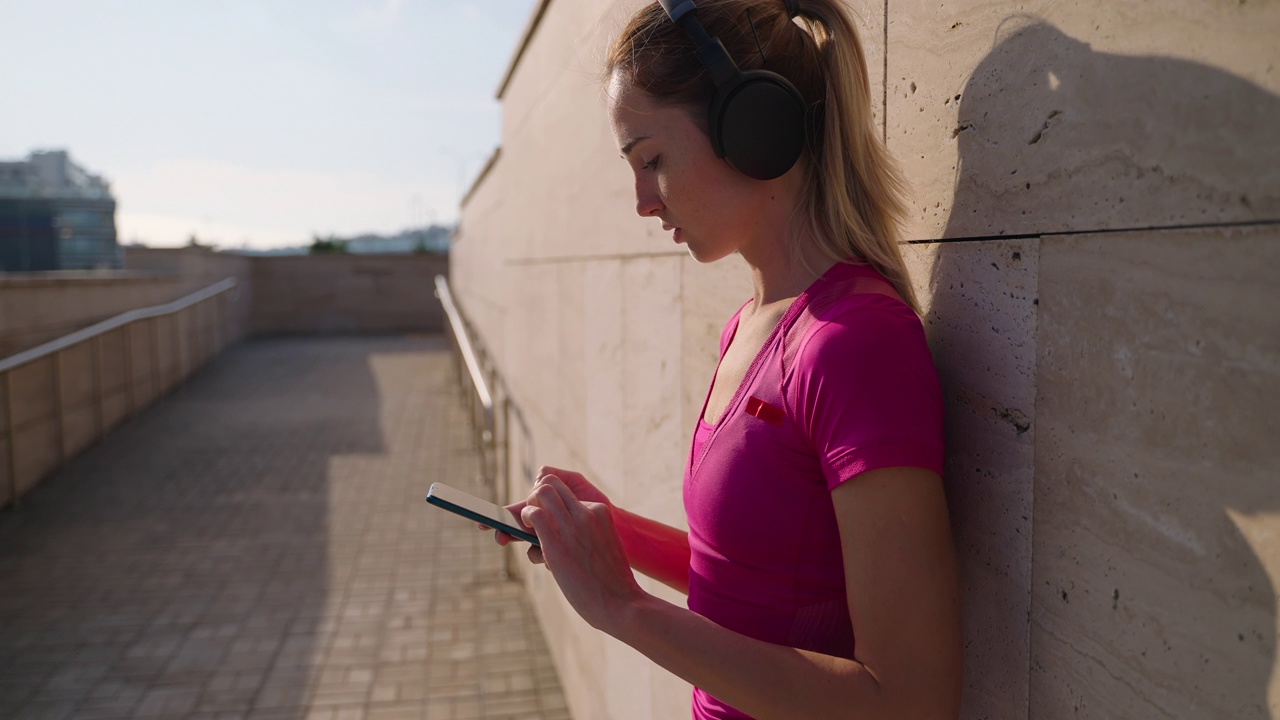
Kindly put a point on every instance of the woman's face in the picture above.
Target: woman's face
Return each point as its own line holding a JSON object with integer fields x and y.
{"x": 709, "y": 207}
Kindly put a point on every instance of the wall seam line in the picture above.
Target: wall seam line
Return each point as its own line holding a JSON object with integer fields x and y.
{"x": 1104, "y": 231}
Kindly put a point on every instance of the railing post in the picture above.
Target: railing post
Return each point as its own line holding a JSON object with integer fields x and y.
{"x": 57, "y": 408}
{"x": 127, "y": 330}
{"x": 9, "y": 437}
{"x": 154, "y": 346}
{"x": 99, "y": 386}
{"x": 217, "y": 322}
{"x": 177, "y": 347}
{"x": 202, "y": 354}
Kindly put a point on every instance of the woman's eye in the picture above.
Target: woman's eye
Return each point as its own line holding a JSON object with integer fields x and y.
{"x": 652, "y": 164}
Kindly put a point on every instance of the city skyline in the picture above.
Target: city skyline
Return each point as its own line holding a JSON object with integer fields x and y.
{"x": 255, "y": 126}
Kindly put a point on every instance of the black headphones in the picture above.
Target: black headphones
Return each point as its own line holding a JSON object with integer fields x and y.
{"x": 757, "y": 118}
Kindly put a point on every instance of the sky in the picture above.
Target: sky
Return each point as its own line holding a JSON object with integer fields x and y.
{"x": 260, "y": 123}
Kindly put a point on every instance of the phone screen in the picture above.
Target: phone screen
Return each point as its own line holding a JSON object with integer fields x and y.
{"x": 473, "y": 508}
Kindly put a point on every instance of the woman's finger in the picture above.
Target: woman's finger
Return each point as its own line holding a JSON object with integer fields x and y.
{"x": 570, "y": 501}
{"x": 553, "y": 497}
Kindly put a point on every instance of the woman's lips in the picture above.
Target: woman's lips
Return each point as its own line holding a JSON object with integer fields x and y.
{"x": 676, "y": 235}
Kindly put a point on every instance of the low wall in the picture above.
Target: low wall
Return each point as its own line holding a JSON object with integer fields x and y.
{"x": 38, "y": 307}
{"x": 346, "y": 294}
{"x": 53, "y": 408}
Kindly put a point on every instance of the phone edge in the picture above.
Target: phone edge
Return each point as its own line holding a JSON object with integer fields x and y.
{"x": 491, "y": 522}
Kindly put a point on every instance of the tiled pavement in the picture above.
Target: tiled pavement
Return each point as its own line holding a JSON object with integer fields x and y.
{"x": 257, "y": 546}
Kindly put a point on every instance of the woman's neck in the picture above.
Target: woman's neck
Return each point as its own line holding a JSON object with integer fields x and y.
{"x": 778, "y": 272}
{"x": 783, "y": 257}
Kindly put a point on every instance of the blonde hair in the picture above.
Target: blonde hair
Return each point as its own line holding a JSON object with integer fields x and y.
{"x": 853, "y": 193}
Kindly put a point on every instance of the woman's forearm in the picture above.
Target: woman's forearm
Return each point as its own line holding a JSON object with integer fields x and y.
{"x": 657, "y": 550}
{"x": 759, "y": 678}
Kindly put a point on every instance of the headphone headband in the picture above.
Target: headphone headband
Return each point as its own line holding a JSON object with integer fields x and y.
{"x": 680, "y": 8}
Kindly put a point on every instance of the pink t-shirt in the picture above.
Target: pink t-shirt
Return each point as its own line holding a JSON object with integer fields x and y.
{"x": 845, "y": 384}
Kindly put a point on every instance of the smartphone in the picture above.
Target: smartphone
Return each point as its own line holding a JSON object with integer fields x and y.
{"x": 482, "y": 511}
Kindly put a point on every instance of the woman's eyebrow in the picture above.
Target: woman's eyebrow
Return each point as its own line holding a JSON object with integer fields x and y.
{"x": 626, "y": 149}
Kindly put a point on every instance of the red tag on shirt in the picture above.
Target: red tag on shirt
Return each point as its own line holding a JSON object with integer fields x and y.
{"x": 763, "y": 410}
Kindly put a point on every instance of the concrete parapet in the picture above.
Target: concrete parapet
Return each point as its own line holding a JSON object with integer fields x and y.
{"x": 346, "y": 294}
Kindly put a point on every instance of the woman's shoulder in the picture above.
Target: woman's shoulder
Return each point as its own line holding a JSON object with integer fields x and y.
{"x": 855, "y": 297}
{"x": 855, "y": 315}
{"x": 849, "y": 287}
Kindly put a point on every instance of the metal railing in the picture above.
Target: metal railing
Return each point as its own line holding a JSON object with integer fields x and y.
{"x": 482, "y": 404}
{"x": 486, "y": 411}
{"x": 202, "y": 348}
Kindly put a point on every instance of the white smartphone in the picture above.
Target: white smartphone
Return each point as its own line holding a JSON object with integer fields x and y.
{"x": 473, "y": 508}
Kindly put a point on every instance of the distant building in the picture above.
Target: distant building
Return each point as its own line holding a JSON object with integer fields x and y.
{"x": 55, "y": 216}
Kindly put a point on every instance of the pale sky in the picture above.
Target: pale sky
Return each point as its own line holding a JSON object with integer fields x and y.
{"x": 261, "y": 122}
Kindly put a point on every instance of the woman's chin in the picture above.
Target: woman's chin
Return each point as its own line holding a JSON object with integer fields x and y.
{"x": 706, "y": 258}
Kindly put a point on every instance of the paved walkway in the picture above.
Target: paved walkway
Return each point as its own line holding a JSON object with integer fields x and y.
{"x": 257, "y": 546}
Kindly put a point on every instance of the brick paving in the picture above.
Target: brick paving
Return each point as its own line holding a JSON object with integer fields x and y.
{"x": 257, "y": 546}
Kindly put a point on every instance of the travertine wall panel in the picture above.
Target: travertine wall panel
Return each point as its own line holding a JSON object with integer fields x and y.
{"x": 1057, "y": 116}
{"x": 557, "y": 143}
{"x": 111, "y": 351}
{"x": 980, "y": 317}
{"x": 630, "y": 679}
{"x": 75, "y": 369}
{"x": 32, "y": 392}
{"x": 1159, "y": 372}
{"x": 605, "y": 375}
{"x": 712, "y": 294}
{"x": 569, "y": 409}
{"x": 36, "y": 452}
{"x": 650, "y": 409}
{"x": 115, "y": 409}
{"x": 79, "y": 428}
{"x": 6, "y": 485}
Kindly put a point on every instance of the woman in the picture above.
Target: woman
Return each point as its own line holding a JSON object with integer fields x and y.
{"x": 819, "y": 565}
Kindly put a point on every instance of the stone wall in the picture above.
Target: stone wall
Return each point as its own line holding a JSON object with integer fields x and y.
{"x": 1095, "y": 231}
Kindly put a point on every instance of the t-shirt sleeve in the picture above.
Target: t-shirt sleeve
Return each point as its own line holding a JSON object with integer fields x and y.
{"x": 866, "y": 393}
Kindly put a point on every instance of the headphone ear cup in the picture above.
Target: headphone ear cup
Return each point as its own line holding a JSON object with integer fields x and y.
{"x": 758, "y": 125}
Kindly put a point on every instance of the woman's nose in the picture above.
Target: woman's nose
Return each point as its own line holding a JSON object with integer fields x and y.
{"x": 648, "y": 203}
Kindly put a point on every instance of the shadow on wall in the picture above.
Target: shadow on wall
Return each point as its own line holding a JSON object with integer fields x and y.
{"x": 1115, "y": 366}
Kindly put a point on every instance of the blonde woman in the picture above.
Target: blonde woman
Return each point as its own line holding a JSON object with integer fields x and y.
{"x": 818, "y": 562}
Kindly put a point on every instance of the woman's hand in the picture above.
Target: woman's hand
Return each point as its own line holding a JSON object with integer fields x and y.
{"x": 581, "y": 548}
{"x": 653, "y": 548}
{"x": 577, "y": 483}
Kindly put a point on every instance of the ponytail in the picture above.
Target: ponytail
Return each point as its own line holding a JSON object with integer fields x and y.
{"x": 854, "y": 192}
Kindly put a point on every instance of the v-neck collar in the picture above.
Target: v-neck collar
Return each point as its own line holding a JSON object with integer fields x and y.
{"x": 796, "y": 307}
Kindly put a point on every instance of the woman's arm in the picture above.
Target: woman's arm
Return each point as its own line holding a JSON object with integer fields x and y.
{"x": 657, "y": 550}
{"x": 903, "y": 601}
